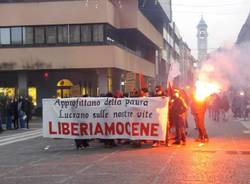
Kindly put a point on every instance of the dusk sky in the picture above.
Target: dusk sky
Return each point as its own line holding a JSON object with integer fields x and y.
{"x": 224, "y": 19}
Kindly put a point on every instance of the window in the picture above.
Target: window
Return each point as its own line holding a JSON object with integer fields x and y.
{"x": 39, "y": 35}
{"x": 98, "y": 33}
{"x": 85, "y": 33}
{"x": 32, "y": 93}
{"x": 28, "y": 35}
{"x": 5, "y": 36}
{"x": 51, "y": 34}
{"x": 74, "y": 34}
{"x": 63, "y": 34}
{"x": 16, "y": 35}
{"x": 110, "y": 34}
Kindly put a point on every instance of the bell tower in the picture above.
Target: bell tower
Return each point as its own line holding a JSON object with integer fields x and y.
{"x": 202, "y": 39}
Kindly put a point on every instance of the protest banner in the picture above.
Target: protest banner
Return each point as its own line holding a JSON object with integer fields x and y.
{"x": 106, "y": 118}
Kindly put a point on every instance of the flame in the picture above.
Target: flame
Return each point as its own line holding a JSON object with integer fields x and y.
{"x": 205, "y": 89}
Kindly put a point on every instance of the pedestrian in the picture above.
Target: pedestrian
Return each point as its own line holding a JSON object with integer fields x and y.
{"x": 14, "y": 109}
{"x": 9, "y": 115}
{"x": 27, "y": 107}
{"x": 243, "y": 106}
{"x": 158, "y": 93}
{"x": 21, "y": 114}
{"x": 199, "y": 110}
{"x": 185, "y": 98}
{"x": 236, "y": 106}
{"x": 1, "y": 127}
{"x": 2, "y": 107}
{"x": 216, "y": 107}
{"x": 179, "y": 109}
{"x": 224, "y": 106}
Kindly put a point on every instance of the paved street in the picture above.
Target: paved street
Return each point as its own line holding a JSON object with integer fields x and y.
{"x": 225, "y": 159}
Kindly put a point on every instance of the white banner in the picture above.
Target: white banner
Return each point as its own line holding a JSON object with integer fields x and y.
{"x": 106, "y": 118}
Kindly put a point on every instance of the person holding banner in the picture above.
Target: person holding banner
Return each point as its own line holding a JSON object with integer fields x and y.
{"x": 81, "y": 143}
{"x": 109, "y": 143}
{"x": 142, "y": 93}
{"x": 158, "y": 92}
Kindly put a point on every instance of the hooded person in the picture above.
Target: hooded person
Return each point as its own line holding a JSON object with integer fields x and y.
{"x": 179, "y": 109}
{"x": 198, "y": 110}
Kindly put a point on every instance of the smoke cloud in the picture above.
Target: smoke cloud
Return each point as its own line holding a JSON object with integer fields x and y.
{"x": 228, "y": 67}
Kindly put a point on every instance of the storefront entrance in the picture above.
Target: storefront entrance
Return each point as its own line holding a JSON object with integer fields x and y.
{"x": 63, "y": 88}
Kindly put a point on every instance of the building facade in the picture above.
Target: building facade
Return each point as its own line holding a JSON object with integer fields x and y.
{"x": 187, "y": 65}
{"x": 62, "y": 48}
{"x": 49, "y": 47}
{"x": 244, "y": 34}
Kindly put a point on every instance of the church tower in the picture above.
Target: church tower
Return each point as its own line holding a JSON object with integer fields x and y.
{"x": 202, "y": 39}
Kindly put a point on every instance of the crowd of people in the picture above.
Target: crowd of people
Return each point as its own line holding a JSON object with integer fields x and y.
{"x": 16, "y": 113}
{"x": 179, "y": 104}
{"x": 240, "y": 105}
{"x": 218, "y": 106}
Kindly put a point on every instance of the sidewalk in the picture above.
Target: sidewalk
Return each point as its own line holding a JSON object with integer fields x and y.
{"x": 34, "y": 124}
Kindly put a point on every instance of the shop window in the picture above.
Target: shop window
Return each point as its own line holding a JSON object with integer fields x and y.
{"x": 10, "y": 92}
{"x": 32, "y": 93}
{"x": 5, "y": 36}
{"x": 63, "y": 88}
{"x": 84, "y": 91}
{"x": 16, "y": 35}
{"x": 28, "y": 35}
{"x": 110, "y": 83}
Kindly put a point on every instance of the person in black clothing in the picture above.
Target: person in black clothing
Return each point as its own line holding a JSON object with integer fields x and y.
{"x": 8, "y": 115}
{"x": 179, "y": 108}
{"x": 26, "y": 107}
{"x": 199, "y": 110}
{"x": 14, "y": 109}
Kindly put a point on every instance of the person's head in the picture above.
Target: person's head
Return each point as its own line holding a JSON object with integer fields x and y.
{"x": 135, "y": 93}
{"x": 145, "y": 91}
{"x": 158, "y": 90}
{"x": 109, "y": 94}
{"x": 118, "y": 94}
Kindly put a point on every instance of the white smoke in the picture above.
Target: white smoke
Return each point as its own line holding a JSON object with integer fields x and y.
{"x": 228, "y": 66}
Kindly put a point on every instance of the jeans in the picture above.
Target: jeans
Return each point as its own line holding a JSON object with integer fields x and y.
{"x": 9, "y": 122}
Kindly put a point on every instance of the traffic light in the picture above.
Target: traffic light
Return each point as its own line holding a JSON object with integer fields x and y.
{"x": 45, "y": 75}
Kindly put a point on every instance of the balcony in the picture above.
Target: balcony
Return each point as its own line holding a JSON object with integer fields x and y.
{"x": 71, "y": 57}
{"x": 54, "y": 12}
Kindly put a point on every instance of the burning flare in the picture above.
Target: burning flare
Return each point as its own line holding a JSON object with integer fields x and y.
{"x": 205, "y": 89}
{"x": 209, "y": 82}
